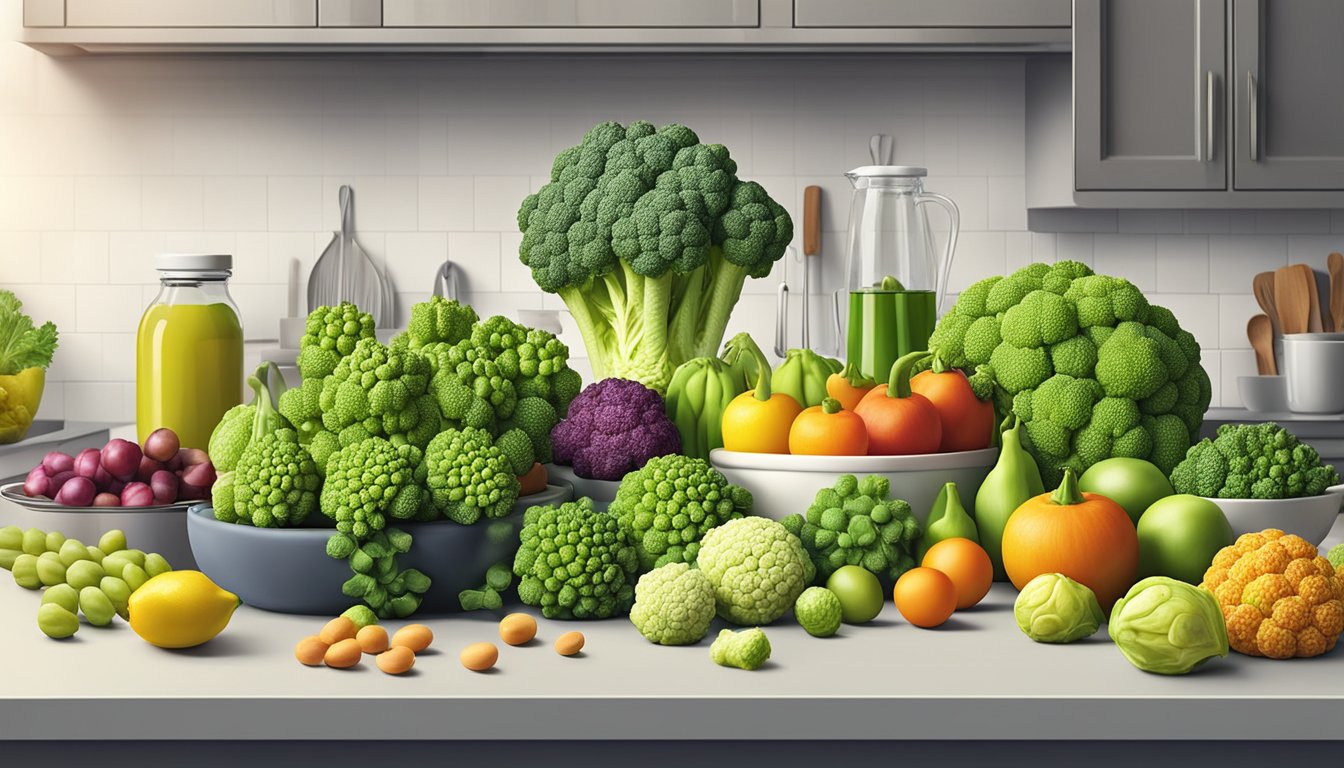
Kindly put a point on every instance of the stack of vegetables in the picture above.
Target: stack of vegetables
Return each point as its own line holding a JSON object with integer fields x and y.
{"x": 452, "y": 420}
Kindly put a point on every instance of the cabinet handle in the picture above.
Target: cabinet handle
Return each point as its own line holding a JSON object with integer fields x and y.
{"x": 1209, "y": 107}
{"x": 1253, "y": 101}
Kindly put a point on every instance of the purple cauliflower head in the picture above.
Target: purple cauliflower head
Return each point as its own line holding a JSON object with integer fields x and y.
{"x": 614, "y": 427}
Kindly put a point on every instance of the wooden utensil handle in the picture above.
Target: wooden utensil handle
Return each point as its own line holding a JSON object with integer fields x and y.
{"x": 811, "y": 221}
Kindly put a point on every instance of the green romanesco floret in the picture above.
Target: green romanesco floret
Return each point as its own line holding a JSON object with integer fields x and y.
{"x": 818, "y": 611}
{"x": 517, "y": 448}
{"x": 276, "y": 483}
{"x": 748, "y": 649}
{"x": 669, "y": 505}
{"x": 490, "y": 595}
{"x": 674, "y": 605}
{"x": 574, "y": 562}
{"x": 467, "y": 477}
{"x": 1253, "y": 461}
{"x": 367, "y": 483}
{"x": 231, "y": 435}
{"x": 329, "y": 335}
{"x": 857, "y": 523}
{"x": 437, "y": 321}
{"x": 757, "y": 569}
{"x": 383, "y": 392}
{"x": 1089, "y": 366}
{"x": 647, "y": 235}
{"x": 535, "y": 417}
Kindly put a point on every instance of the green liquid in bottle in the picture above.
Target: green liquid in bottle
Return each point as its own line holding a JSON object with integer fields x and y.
{"x": 884, "y": 325}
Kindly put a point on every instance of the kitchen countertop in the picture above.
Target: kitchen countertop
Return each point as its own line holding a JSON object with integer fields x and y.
{"x": 975, "y": 678}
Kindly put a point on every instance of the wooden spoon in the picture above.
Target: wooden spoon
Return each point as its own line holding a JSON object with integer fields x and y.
{"x": 1335, "y": 263}
{"x": 1261, "y": 334}
{"x": 1263, "y": 286}
{"x": 1294, "y": 293}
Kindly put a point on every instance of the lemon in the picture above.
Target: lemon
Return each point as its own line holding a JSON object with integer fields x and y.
{"x": 180, "y": 609}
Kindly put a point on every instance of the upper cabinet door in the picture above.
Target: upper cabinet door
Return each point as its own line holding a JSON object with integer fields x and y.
{"x": 571, "y": 13}
{"x": 1288, "y": 94}
{"x": 190, "y": 13}
{"x": 1146, "y": 84}
{"x": 931, "y": 13}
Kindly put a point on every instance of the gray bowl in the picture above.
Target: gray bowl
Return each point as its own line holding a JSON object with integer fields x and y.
{"x": 287, "y": 569}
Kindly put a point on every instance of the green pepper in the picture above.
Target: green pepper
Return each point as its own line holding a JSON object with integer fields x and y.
{"x": 701, "y": 389}
{"x": 1014, "y": 479}
{"x": 948, "y": 519}
{"x": 803, "y": 374}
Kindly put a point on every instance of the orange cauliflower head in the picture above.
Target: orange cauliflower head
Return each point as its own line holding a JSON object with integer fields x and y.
{"x": 1280, "y": 598}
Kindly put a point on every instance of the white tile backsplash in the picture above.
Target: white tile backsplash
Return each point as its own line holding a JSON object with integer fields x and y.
{"x": 105, "y": 162}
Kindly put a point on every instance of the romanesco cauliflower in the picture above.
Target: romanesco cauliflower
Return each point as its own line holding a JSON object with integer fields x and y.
{"x": 748, "y": 649}
{"x": 855, "y": 523}
{"x": 467, "y": 477}
{"x": 368, "y": 482}
{"x": 574, "y": 562}
{"x": 757, "y": 569}
{"x": 674, "y": 605}
{"x": 670, "y": 503}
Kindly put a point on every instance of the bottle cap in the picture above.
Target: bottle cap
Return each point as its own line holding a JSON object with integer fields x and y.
{"x": 193, "y": 262}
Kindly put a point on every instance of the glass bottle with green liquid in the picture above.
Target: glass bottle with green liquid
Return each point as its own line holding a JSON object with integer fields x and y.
{"x": 189, "y": 349}
{"x": 894, "y": 276}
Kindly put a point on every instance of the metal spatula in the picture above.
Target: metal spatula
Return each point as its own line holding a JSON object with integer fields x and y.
{"x": 344, "y": 272}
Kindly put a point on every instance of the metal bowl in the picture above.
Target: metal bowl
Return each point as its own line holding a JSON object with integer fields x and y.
{"x": 287, "y": 569}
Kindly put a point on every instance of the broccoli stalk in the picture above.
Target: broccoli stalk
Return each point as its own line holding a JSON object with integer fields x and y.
{"x": 648, "y": 236}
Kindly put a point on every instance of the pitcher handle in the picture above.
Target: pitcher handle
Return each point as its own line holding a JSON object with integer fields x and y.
{"x": 954, "y": 227}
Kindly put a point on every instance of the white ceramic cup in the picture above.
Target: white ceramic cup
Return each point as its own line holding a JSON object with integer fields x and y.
{"x": 1313, "y": 367}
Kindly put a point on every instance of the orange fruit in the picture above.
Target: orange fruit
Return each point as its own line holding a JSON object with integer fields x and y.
{"x": 966, "y": 564}
{"x": 925, "y": 597}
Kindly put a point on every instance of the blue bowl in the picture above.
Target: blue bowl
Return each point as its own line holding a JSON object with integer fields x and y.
{"x": 287, "y": 569}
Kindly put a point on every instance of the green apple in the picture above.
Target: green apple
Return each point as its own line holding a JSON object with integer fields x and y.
{"x": 860, "y": 593}
{"x": 1132, "y": 483}
{"x": 1179, "y": 535}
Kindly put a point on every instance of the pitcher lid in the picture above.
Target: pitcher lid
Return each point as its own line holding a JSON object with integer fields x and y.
{"x": 888, "y": 171}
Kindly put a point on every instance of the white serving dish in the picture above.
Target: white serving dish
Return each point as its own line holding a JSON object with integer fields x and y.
{"x": 1264, "y": 394}
{"x": 784, "y": 484}
{"x": 1313, "y": 366}
{"x": 1310, "y": 517}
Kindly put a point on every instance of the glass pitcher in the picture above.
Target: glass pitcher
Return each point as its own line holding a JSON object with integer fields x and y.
{"x": 889, "y": 237}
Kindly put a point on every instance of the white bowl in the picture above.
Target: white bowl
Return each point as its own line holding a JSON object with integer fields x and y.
{"x": 1310, "y": 517}
{"x": 782, "y": 484}
{"x": 1264, "y": 394}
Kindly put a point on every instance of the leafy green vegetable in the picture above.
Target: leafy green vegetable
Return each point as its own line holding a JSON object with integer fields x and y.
{"x": 490, "y": 596}
{"x": 1253, "y": 461}
{"x": 22, "y": 345}
{"x": 648, "y": 235}
{"x": 1089, "y": 366}
{"x": 1052, "y": 608}
{"x": 1167, "y": 626}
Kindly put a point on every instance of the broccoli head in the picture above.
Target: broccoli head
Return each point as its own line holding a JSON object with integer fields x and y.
{"x": 369, "y": 481}
{"x": 467, "y": 477}
{"x": 855, "y": 522}
{"x": 1089, "y": 366}
{"x": 648, "y": 235}
{"x": 1253, "y": 461}
{"x": 614, "y": 427}
{"x": 670, "y": 503}
{"x": 574, "y": 562}
{"x": 380, "y": 391}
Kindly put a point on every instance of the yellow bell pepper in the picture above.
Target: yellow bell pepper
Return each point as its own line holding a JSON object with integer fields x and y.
{"x": 20, "y": 395}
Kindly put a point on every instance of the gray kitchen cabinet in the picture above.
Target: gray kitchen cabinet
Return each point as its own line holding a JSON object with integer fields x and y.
{"x": 1146, "y": 85}
{"x": 571, "y": 13}
{"x": 1288, "y": 94}
{"x": 931, "y": 13}
{"x": 190, "y": 13}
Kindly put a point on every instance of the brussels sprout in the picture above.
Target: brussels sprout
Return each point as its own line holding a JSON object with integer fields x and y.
{"x": 1052, "y": 608}
{"x": 1167, "y": 626}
